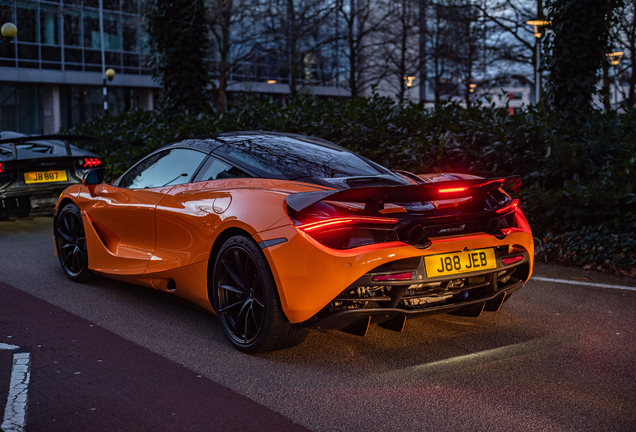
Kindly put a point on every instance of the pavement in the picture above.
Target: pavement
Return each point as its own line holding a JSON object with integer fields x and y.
{"x": 557, "y": 357}
{"x": 84, "y": 377}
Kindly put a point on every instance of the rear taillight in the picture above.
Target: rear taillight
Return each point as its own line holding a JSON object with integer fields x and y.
{"x": 451, "y": 190}
{"x": 91, "y": 162}
{"x": 342, "y": 222}
{"x": 509, "y": 208}
{"x": 393, "y": 277}
{"x": 1, "y": 168}
{"x": 512, "y": 260}
{"x": 351, "y": 232}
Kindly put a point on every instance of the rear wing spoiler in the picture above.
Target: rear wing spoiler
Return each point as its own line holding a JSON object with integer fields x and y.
{"x": 65, "y": 138}
{"x": 375, "y": 197}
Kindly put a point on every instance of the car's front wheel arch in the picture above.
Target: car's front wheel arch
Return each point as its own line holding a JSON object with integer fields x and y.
{"x": 70, "y": 242}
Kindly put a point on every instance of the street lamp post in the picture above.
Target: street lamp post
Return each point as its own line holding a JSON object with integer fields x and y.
{"x": 408, "y": 80}
{"x": 537, "y": 75}
{"x": 110, "y": 74}
{"x": 8, "y": 32}
{"x": 615, "y": 58}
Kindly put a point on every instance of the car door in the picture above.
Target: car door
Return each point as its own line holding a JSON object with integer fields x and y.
{"x": 188, "y": 215}
{"x": 123, "y": 215}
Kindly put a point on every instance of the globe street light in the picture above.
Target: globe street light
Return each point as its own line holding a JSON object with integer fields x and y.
{"x": 537, "y": 34}
{"x": 8, "y": 32}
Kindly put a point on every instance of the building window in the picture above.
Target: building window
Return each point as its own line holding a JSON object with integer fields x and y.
{"x": 130, "y": 34}
{"x": 91, "y": 30}
{"x": 26, "y": 22}
{"x": 21, "y": 108}
{"x": 49, "y": 25}
{"x": 72, "y": 31}
{"x": 112, "y": 39}
{"x": 80, "y": 103}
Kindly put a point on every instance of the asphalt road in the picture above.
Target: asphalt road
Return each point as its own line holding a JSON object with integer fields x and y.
{"x": 556, "y": 357}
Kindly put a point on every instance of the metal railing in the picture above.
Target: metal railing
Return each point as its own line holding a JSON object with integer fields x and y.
{"x": 55, "y": 57}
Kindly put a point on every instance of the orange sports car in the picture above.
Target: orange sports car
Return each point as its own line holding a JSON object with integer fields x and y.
{"x": 279, "y": 234}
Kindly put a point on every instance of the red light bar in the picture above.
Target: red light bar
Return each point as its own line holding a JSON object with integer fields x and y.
{"x": 449, "y": 190}
{"x": 393, "y": 277}
{"x": 509, "y": 208}
{"x": 512, "y": 260}
{"x": 92, "y": 162}
{"x": 1, "y": 167}
{"x": 341, "y": 222}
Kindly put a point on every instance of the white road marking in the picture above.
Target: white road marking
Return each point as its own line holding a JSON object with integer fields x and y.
{"x": 4, "y": 346}
{"x": 482, "y": 359}
{"x": 15, "y": 410}
{"x": 571, "y": 282}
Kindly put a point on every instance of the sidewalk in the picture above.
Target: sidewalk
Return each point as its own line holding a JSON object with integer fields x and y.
{"x": 85, "y": 378}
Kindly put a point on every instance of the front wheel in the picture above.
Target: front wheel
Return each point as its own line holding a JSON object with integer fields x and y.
{"x": 246, "y": 299}
{"x": 70, "y": 242}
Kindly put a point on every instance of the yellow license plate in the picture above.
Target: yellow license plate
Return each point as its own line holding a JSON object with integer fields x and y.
{"x": 45, "y": 176}
{"x": 460, "y": 262}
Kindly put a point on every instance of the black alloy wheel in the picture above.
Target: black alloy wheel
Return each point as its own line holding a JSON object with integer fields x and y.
{"x": 246, "y": 299}
{"x": 70, "y": 241}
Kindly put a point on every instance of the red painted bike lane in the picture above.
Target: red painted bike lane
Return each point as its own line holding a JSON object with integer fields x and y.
{"x": 86, "y": 378}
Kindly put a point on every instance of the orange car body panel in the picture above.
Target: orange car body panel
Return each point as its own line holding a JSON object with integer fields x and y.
{"x": 191, "y": 216}
{"x": 163, "y": 238}
{"x": 123, "y": 220}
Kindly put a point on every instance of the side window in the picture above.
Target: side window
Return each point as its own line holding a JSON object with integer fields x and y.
{"x": 167, "y": 168}
{"x": 216, "y": 170}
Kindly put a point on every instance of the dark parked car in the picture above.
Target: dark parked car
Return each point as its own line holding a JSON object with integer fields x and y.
{"x": 34, "y": 170}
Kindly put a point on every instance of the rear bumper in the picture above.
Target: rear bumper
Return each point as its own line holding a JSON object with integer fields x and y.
{"x": 20, "y": 199}
{"x": 310, "y": 276}
{"x": 54, "y": 189}
{"x": 357, "y": 320}
{"x": 29, "y": 202}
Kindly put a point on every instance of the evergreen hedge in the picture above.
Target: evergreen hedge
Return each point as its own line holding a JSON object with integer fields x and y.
{"x": 578, "y": 181}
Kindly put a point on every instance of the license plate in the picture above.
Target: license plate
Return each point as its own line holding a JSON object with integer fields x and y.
{"x": 460, "y": 262}
{"x": 45, "y": 176}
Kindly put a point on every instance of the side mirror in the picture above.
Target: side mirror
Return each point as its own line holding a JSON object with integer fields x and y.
{"x": 93, "y": 177}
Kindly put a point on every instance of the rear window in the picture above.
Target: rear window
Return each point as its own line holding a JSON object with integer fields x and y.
{"x": 294, "y": 158}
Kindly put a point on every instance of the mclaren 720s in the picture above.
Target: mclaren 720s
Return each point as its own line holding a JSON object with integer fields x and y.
{"x": 278, "y": 234}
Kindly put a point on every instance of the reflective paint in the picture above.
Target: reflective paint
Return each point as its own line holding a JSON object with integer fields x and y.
{"x": 163, "y": 237}
{"x": 620, "y": 287}
{"x": 15, "y": 409}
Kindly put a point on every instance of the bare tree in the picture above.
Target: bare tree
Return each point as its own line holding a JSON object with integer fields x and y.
{"x": 235, "y": 33}
{"x": 400, "y": 51}
{"x": 624, "y": 36}
{"x": 455, "y": 48}
{"x": 362, "y": 22}
{"x": 514, "y": 42}
{"x": 466, "y": 32}
{"x": 298, "y": 30}
{"x": 440, "y": 50}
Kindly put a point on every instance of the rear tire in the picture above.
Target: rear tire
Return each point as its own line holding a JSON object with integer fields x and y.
{"x": 246, "y": 300}
{"x": 70, "y": 241}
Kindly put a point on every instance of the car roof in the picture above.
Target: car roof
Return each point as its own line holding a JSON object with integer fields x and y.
{"x": 235, "y": 136}
{"x": 290, "y": 156}
{"x": 213, "y": 141}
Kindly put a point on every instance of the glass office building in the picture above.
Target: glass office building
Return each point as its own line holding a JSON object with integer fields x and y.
{"x": 51, "y": 73}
